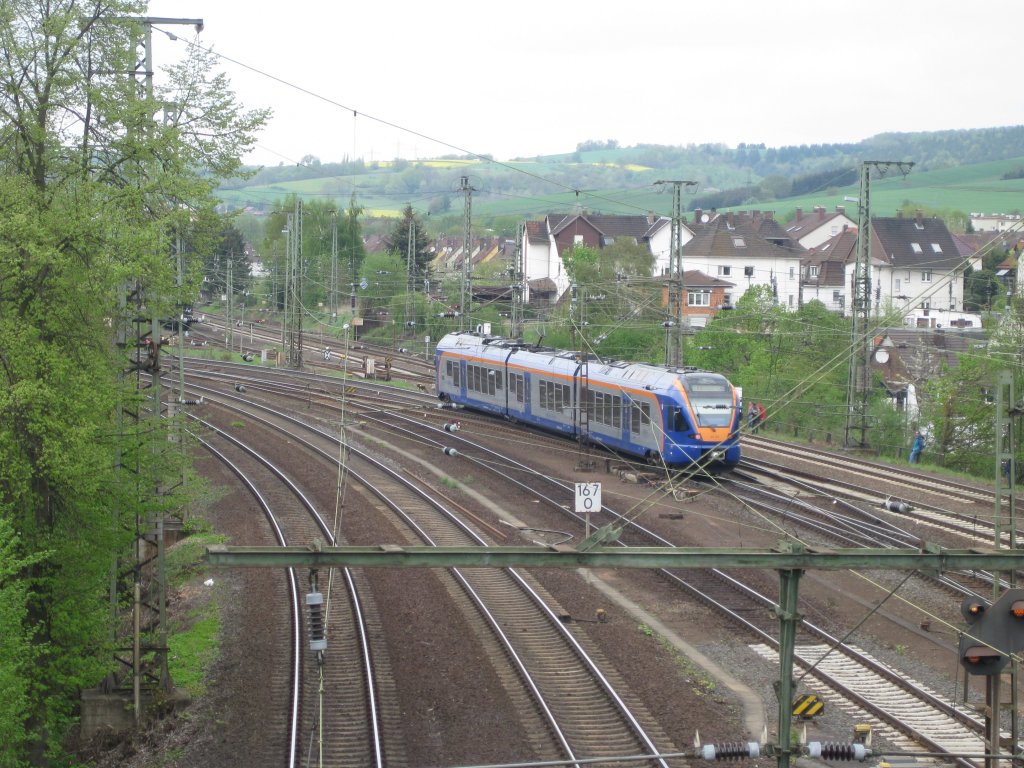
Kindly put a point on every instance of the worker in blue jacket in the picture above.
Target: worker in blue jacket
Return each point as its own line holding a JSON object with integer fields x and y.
{"x": 916, "y": 447}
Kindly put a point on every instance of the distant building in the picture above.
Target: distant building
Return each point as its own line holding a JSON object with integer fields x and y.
{"x": 813, "y": 229}
{"x": 996, "y": 222}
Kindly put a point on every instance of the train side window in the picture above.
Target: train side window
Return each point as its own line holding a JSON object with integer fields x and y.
{"x": 639, "y": 416}
{"x": 616, "y": 411}
{"x": 676, "y": 419}
{"x": 497, "y": 380}
{"x": 456, "y": 375}
{"x": 542, "y": 387}
{"x": 448, "y": 368}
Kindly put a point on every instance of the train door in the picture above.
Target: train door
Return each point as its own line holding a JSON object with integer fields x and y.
{"x": 580, "y": 411}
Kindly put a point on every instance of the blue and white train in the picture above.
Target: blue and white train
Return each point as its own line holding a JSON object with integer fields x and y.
{"x": 678, "y": 416}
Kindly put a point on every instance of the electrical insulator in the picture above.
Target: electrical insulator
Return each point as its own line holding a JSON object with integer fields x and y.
{"x": 730, "y": 750}
{"x": 317, "y": 639}
{"x": 450, "y": 406}
{"x": 837, "y": 751}
{"x": 452, "y": 426}
{"x": 451, "y": 452}
{"x": 247, "y": 357}
{"x": 239, "y": 388}
{"x": 183, "y": 401}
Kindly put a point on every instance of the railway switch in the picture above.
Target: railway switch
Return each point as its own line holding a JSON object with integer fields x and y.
{"x": 995, "y": 632}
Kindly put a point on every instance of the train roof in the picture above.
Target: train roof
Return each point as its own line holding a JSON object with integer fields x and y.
{"x": 642, "y": 375}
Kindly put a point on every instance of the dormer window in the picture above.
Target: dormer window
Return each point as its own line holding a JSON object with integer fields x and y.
{"x": 812, "y": 271}
{"x": 936, "y": 248}
{"x": 737, "y": 242}
{"x": 916, "y": 247}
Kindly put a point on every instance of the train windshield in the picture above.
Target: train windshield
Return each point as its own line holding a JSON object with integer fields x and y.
{"x": 710, "y": 397}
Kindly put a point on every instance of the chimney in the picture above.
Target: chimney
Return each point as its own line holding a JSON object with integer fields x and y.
{"x": 919, "y": 219}
{"x": 730, "y": 220}
{"x": 799, "y": 214}
{"x": 821, "y": 211}
{"x": 841, "y": 209}
{"x": 697, "y": 213}
{"x": 650, "y": 217}
{"x": 846, "y": 228}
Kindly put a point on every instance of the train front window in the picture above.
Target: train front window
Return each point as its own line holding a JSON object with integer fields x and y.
{"x": 710, "y": 397}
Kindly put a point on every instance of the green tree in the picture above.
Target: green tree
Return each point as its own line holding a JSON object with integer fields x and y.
{"x": 398, "y": 240}
{"x": 97, "y": 182}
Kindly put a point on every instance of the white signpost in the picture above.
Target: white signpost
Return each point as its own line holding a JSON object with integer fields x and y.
{"x": 588, "y": 499}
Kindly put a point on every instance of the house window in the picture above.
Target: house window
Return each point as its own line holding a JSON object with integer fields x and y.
{"x": 748, "y": 271}
{"x": 835, "y": 297}
{"x": 926, "y": 276}
{"x": 834, "y": 230}
{"x": 791, "y": 301}
{"x": 725, "y": 270}
{"x": 936, "y": 248}
{"x": 737, "y": 242}
{"x": 916, "y": 247}
{"x": 897, "y": 285}
{"x": 812, "y": 271}
{"x": 698, "y": 298}
{"x": 792, "y": 272}
{"x": 577, "y": 239}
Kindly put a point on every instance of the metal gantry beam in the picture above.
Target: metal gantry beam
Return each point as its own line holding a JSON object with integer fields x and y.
{"x": 931, "y": 559}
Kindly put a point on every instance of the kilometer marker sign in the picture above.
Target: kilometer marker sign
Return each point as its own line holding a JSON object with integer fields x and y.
{"x": 588, "y": 497}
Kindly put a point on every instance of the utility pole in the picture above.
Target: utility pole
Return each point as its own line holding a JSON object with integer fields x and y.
{"x": 676, "y": 279}
{"x": 229, "y": 325}
{"x": 144, "y": 534}
{"x": 293, "y": 312}
{"x": 333, "y": 287}
{"x": 1004, "y": 519}
{"x": 858, "y": 385}
{"x": 467, "y": 255}
{"x": 517, "y": 285}
{"x": 410, "y": 286}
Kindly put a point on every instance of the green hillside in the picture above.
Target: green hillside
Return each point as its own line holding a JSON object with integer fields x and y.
{"x": 611, "y": 179}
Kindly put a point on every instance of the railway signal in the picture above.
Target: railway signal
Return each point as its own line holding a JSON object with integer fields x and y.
{"x": 995, "y": 632}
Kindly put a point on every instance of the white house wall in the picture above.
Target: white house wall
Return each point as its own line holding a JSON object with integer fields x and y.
{"x": 786, "y": 272}
{"x": 661, "y": 247}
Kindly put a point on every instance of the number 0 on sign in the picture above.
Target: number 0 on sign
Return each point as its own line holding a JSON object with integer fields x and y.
{"x": 588, "y": 497}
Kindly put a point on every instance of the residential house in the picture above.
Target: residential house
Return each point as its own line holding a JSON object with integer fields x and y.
{"x": 922, "y": 274}
{"x": 827, "y": 273}
{"x": 813, "y": 229}
{"x": 705, "y": 296}
{"x": 748, "y": 250}
{"x": 916, "y": 269}
{"x": 548, "y": 239}
{"x": 996, "y": 222}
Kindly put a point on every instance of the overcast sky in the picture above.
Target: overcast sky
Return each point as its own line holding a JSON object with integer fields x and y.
{"x": 531, "y": 77}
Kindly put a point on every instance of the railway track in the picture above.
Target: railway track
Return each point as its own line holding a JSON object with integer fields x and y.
{"x": 880, "y": 708}
{"x": 343, "y": 722}
{"x": 577, "y": 705}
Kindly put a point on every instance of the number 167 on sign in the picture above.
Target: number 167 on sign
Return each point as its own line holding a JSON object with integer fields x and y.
{"x": 588, "y": 497}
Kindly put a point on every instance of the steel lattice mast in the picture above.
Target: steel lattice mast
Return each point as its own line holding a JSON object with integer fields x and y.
{"x": 859, "y": 381}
